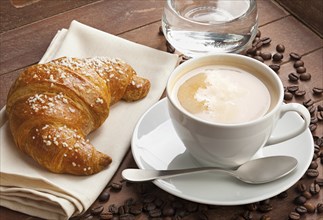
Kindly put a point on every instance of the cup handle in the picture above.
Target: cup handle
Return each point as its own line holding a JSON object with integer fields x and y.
{"x": 295, "y": 107}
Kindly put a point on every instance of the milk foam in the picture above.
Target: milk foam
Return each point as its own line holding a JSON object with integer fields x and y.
{"x": 223, "y": 94}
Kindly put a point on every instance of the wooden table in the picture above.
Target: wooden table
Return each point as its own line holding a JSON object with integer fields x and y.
{"x": 27, "y": 29}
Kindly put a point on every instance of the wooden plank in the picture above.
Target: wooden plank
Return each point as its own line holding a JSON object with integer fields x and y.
{"x": 25, "y": 46}
{"x": 17, "y": 13}
{"x": 309, "y": 12}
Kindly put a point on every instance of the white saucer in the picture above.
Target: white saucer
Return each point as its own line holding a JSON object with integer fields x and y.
{"x": 155, "y": 145}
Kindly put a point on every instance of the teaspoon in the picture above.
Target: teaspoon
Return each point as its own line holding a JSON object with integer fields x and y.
{"x": 256, "y": 171}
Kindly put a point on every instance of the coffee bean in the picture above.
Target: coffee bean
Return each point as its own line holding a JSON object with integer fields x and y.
{"x": 127, "y": 217}
{"x": 312, "y": 173}
{"x": 113, "y": 208}
{"x": 313, "y": 165}
{"x": 265, "y": 217}
{"x": 278, "y": 57}
{"x": 259, "y": 58}
{"x": 320, "y": 108}
{"x": 155, "y": 213}
{"x": 312, "y": 128}
{"x": 251, "y": 51}
{"x": 116, "y": 186}
{"x": 293, "y": 77}
{"x": 97, "y": 210}
{"x": 266, "y": 40}
{"x": 314, "y": 188}
{"x": 293, "y": 89}
{"x": 136, "y": 209}
{"x": 305, "y": 76}
{"x": 317, "y": 91}
{"x": 300, "y": 200}
{"x": 310, "y": 207}
{"x": 288, "y": 96}
{"x": 274, "y": 67}
{"x": 168, "y": 211}
{"x": 259, "y": 44}
{"x": 191, "y": 207}
{"x": 294, "y": 216}
{"x": 298, "y": 63}
{"x": 283, "y": 195}
{"x": 307, "y": 194}
{"x": 319, "y": 181}
{"x": 308, "y": 103}
{"x": 258, "y": 33}
{"x": 149, "y": 206}
{"x": 104, "y": 196}
{"x": 280, "y": 48}
{"x": 319, "y": 207}
{"x": 106, "y": 215}
{"x": 265, "y": 55}
{"x": 160, "y": 30}
{"x": 295, "y": 56}
{"x": 301, "y": 69}
{"x": 301, "y": 209}
{"x": 319, "y": 116}
{"x": 301, "y": 187}
{"x": 265, "y": 207}
{"x": 247, "y": 215}
{"x": 300, "y": 93}
{"x": 252, "y": 207}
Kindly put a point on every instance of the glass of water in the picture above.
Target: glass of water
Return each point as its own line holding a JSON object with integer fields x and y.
{"x": 197, "y": 27}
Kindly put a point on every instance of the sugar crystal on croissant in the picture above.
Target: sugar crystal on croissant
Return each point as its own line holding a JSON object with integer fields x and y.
{"x": 52, "y": 107}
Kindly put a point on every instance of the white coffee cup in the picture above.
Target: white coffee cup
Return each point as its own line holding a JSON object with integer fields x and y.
{"x": 230, "y": 144}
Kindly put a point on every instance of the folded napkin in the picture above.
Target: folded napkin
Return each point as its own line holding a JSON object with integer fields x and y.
{"x": 28, "y": 188}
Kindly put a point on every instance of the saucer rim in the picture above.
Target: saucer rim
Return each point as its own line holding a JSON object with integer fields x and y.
{"x": 163, "y": 184}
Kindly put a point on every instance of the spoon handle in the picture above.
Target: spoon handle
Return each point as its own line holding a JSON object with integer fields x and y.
{"x": 139, "y": 175}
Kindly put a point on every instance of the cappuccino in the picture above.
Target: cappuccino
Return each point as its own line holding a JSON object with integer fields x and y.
{"x": 222, "y": 94}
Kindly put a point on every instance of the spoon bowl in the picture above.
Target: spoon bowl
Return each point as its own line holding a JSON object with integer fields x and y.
{"x": 258, "y": 171}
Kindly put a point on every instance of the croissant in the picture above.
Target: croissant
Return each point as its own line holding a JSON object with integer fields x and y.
{"x": 52, "y": 107}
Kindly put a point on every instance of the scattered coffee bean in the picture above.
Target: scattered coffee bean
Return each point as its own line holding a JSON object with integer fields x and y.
{"x": 160, "y": 30}
{"x": 308, "y": 103}
{"x": 265, "y": 217}
{"x": 301, "y": 209}
{"x": 168, "y": 211}
{"x": 116, "y": 186}
{"x": 127, "y": 217}
{"x": 258, "y": 33}
{"x": 313, "y": 165}
{"x": 88, "y": 216}
{"x": 113, "y": 208}
{"x": 274, "y": 67}
{"x": 251, "y": 51}
{"x": 136, "y": 209}
{"x": 314, "y": 188}
{"x": 293, "y": 77}
{"x": 301, "y": 69}
{"x": 312, "y": 173}
{"x": 317, "y": 91}
{"x": 192, "y": 207}
{"x": 310, "y": 207}
{"x": 305, "y": 76}
{"x": 259, "y": 44}
{"x": 301, "y": 187}
{"x": 282, "y": 195}
{"x": 300, "y": 93}
{"x": 320, "y": 108}
{"x": 259, "y": 58}
{"x": 265, "y": 55}
{"x": 319, "y": 208}
{"x": 266, "y": 40}
{"x": 106, "y": 215}
{"x": 252, "y": 206}
{"x": 294, "y": 216}
{"x": 319, "y": 181}
{"x": 288, "y": 96}
{"x": 280, "y": 48}
{"x": 155, "y": 213}
{"x": 292, "y": 89}
{"x": 97, "y": 210}
{"x": 298, "y": 63}
{"x": 265, "y": 207}
{"x": 307, "y": 194}
{"x": 104, "y": 196}
{"x": 278, "y": 57}
{"x": 149, "y": 206}
{"x": 295, "y": 56}
{"x": 300, "y": 200}
{"x": 247, "y": 215}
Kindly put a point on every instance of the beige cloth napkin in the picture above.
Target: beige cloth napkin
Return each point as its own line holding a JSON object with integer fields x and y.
{"x": 25, "y": 186}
